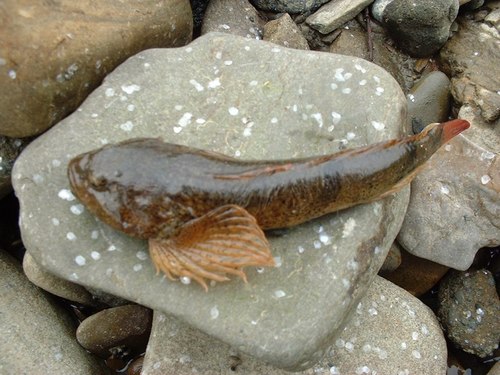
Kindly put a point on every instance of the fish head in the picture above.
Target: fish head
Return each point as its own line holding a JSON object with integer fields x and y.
{"x": 94, "y": 178}
{"x": 121, "y": 185}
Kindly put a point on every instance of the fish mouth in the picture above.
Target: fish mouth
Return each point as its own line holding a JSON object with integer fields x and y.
{"x": 77, "y": 175}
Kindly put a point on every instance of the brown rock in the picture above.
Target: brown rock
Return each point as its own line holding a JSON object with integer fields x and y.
{"x": 416, "y": 275}
{"x": 123, "y": 328}
{"x": 53, "y": 54}
{"x": 285, "y": 32}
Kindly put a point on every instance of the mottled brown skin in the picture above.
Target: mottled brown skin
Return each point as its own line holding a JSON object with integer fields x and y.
{"x": 149, "y": 189}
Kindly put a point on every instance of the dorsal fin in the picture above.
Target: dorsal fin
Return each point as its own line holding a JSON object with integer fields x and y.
{"x": 262, "y": 171}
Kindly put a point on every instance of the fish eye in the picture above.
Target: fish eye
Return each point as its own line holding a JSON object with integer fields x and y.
{"x": 98, "y": 182}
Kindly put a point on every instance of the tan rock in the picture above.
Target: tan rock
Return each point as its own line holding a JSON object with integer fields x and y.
{"x": 285, "y": 32}
{"x": 53, "y": 54}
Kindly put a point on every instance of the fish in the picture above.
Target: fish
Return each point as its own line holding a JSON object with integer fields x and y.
{"x": 204, "y": 213}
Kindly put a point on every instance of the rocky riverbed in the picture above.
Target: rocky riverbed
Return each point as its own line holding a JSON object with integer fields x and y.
{"x": 404, "y": 285}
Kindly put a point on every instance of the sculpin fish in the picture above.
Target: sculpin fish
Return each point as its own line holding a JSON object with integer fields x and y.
{"x": 204, "y": 213}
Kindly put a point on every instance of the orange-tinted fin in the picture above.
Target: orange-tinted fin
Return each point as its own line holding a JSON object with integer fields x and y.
{"x": 221, "y": 242}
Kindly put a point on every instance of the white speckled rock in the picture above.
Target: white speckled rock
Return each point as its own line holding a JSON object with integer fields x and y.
{"x": 248, "y": 99}
{"x": 414, "y": 345}
{"x": 38, "y": 337}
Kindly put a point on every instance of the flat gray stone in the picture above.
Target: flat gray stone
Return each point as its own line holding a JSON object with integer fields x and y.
{"x": 414, "y": 344}
{"x": 38, "y": 337}
{"x": 248, "y": 99}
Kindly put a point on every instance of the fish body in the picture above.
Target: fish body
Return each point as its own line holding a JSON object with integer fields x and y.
{"x": 158, "y": 191}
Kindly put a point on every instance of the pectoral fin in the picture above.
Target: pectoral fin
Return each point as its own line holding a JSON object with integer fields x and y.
{"x": 221, "y": 242}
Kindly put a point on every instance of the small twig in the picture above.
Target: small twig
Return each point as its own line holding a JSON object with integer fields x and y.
{"x": 369, "y": 34}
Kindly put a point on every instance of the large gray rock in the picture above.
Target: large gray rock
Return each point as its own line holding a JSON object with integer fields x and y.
{"x": 366, "y": 346}
{"x": 248, "y": 99}
{"x": 38, "y": 337}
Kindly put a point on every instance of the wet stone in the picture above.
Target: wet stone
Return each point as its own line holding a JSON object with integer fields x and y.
{"x": 391, "y": 332}
{"x": 470, "y": 311}
{"x": 352, "y": 42}
{"x": 123, "y": 328}
{"x": 37, "y": 335}
{"x": 250, "y": 100}
{"x": 429, "y": 100}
